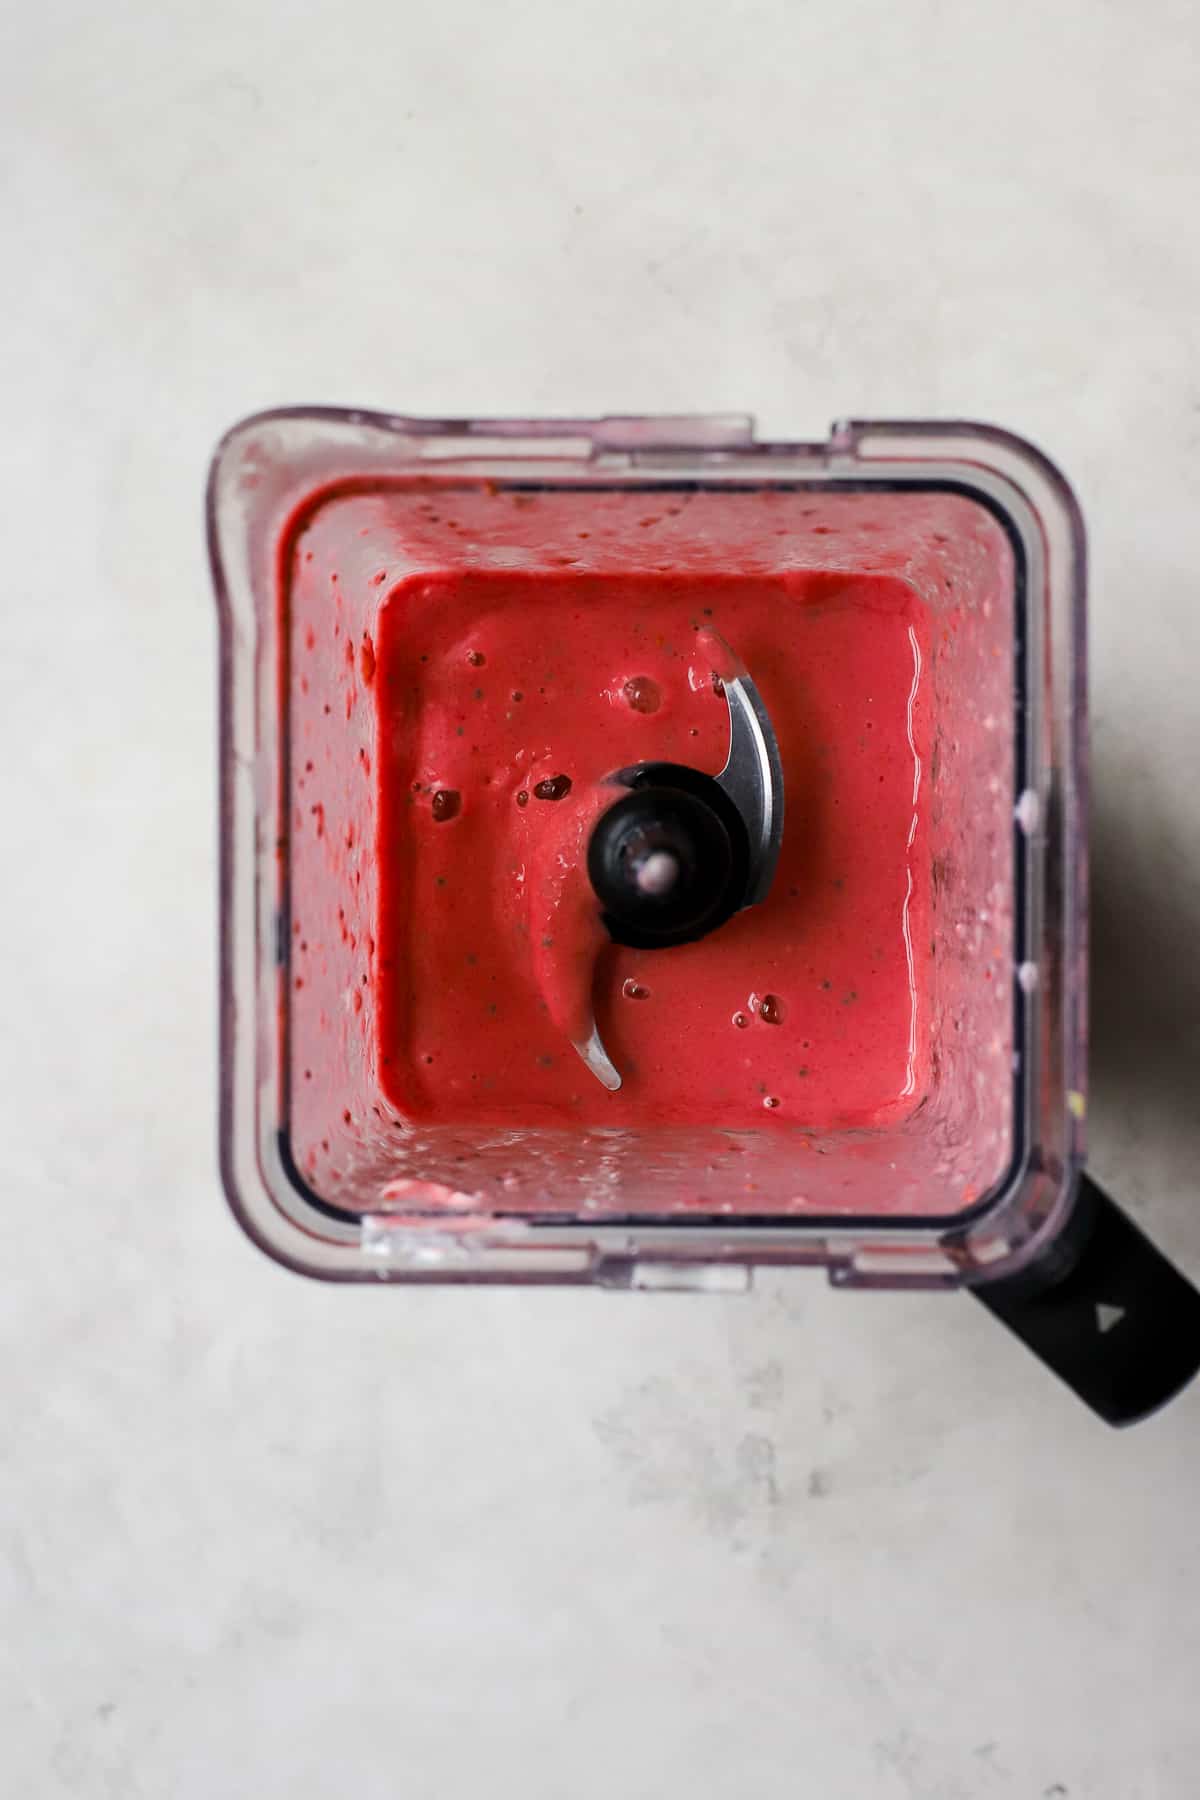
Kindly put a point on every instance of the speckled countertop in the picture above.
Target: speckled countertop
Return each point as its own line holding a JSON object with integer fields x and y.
{"x": 259, "y": 1537}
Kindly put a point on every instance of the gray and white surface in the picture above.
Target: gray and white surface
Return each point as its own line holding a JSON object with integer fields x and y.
{"x": 258, "y": 1537}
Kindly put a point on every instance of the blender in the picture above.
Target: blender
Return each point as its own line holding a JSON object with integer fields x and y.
{"x": 649, "y": 854}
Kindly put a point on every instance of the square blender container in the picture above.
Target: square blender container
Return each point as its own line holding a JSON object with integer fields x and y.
{"x": 897, "y": 1089}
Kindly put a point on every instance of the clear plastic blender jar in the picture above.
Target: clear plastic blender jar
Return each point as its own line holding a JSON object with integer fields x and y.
{"x": 648, "y": 853}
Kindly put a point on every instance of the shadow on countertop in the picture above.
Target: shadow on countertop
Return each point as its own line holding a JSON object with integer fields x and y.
{"x": 1145, "y": 978}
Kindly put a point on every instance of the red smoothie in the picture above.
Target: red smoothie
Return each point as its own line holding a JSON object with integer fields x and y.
{"x": 518, "y": 695}
{"x": 466, "y": 668}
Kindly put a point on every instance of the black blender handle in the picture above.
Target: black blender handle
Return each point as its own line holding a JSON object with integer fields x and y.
{"x": 1105, "y": 1310}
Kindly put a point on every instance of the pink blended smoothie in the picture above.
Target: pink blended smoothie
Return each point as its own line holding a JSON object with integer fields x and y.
{"x": 466, "y": 668}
